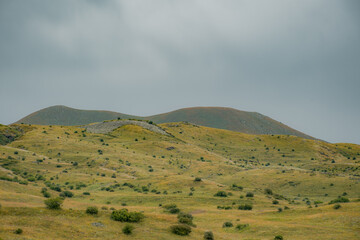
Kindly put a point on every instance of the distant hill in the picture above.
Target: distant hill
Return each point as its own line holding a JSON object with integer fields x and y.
{"x": 62, "y": 115}
{"x": 229, "y": 119}
{"x": 216, "y": 117}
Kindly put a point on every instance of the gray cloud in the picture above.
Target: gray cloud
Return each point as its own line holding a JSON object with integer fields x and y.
{"x": 296, "y": 61}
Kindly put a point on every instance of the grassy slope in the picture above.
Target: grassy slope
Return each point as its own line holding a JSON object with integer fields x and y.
{"x": 219, "y": 157}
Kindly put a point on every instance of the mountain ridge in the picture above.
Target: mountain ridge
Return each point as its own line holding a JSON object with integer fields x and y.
{"x": 216, "y": 117}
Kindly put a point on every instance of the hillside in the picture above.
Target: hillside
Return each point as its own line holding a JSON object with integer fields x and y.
{"x": 229, "y": 119}
{"x": 288, "y": 181}
{"x": 216, "y": 117}
{"x": 62, "y": 115}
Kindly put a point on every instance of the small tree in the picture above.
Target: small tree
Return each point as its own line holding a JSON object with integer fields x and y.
{"x": 53, "y": 203}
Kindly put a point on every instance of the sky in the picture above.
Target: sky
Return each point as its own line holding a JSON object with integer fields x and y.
{"x": 295, "y": 61}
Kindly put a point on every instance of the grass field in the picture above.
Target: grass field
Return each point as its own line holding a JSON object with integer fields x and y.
{"x": 137, "y": 169}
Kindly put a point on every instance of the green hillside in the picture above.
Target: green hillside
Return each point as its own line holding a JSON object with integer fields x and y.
{"x": 216, "y": 117}
{"x": 210, "y": 173}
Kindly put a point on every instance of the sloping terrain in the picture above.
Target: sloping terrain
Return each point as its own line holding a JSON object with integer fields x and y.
{"x": 216, "y": 117}
{"x": 141, "y": 170}
{"x": 109, "y": 126}
{"x": 229, "y": 119}
{"x": 62, "y": 115}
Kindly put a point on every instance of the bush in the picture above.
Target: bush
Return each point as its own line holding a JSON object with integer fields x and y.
{"x": 171, "y": 208}
{"x": 245, "y": 207}
{"x": 123, "y": 215}
{"x": 53, "y": 203}
{"x": 337, "y": 206}
{"x": 241, "y": 226}
{"x": 67, "y": 194}
{"x": 220, "y": 194}
{"x": 185, "y": 218}
{"x": 86, "y": 193}
{"x": 92, "y": 210}
{"x": 46, "y": 194}
{"x": 18, "y": 231}
{"x": 197, "y": 179}
{"x": 180, "y": 229}
{"x": 339, "y": 200}
{"x": 127, "y": 229}
{"x": 208, "y": 235}
{"x": 278, "y": 237}
{"x": 227, "y": 224}
{"x": 268, "y": 191}
{"x": 275, "y": 202}
{"x": 249, "y": 194}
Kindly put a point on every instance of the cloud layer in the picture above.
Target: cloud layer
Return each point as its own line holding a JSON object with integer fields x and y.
{"x": 296, "y": 61}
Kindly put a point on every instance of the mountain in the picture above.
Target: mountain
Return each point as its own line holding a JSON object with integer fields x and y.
{"x": 216, "y": 117}
{"x": 62, "y": 115}
{"x": 229, "y": 119}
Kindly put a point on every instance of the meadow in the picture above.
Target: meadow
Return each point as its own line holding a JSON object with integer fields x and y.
{"x": 208, "y": 173}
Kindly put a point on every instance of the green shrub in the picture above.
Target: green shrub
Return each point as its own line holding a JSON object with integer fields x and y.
{"x": 339, "y": 200}
{"x": 86, "y": 193}
{"x": 46, "y": 194}
{"x": 180, "y": 229}
{"x": 241, "y": 226}
{"x": 268, "y": 191}
{"x": 18, "y": 231}
{"x": 92, "y": 210}
{"x": 197, "y": 179}
{"x": 245, "y": 207}
{"x": 249, "y": 194}
{"x": 123, "y": 215}
{"x": 67, "y": 194}
{"x": 221, "y": 194}
{"x": 278, "y": 237}
{"x": 227, "y": 224}
{"x": 208, "y": 235}
{"x": 127, "y": 229}
{"x": 53, "y": 203}
{"x": 337, "y": 206}
{"x": 275, "y": 202}
{"x": 171, "y": 208}
{"x": 185, "y": 218}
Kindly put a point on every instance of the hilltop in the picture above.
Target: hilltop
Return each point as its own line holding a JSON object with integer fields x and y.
{"x": 216, "y": 117}
{"x": 210, "y": 173}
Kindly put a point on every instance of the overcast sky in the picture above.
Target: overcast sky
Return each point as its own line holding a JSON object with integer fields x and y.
{"x": 296, "y": 61}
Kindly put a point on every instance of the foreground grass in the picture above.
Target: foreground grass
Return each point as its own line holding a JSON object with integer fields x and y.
{"x": 304, "y": 176}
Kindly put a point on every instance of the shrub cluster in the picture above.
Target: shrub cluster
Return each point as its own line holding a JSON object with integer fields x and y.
{"x": 221, "y": 194}
{"x": 123, "y": 215}
{"x": 171, "y": 208}
{"x": 339, "y": 200}
{"x": 186, "y": 218}
{"x": 181, "y": 229}
{"x": 53, "y": 203}
{"x": 245, "y": 207}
